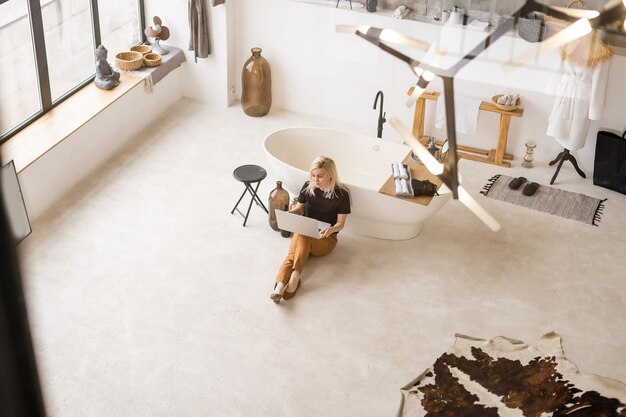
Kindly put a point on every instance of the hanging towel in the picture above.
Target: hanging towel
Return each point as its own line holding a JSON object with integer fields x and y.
{"x": 200, "y": 37}
{"x": 465, "y": 112}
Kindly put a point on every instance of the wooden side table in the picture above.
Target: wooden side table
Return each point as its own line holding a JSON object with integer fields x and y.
{"x": 497, "y": 156}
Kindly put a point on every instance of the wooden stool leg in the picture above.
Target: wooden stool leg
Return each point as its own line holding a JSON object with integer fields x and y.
{"x": 505, "y": 121}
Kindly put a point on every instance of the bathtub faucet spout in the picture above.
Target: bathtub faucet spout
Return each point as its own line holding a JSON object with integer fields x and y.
{"x": 381, "y": 114}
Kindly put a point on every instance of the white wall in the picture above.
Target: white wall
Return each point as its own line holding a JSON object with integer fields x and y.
{"x": 318, "y": 71}
{"x": 208, "y": 79}
{"x": 64, "y": 166}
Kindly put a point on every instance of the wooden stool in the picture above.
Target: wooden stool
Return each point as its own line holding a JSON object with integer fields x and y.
{"x": 497, "y": 156}
{"x": 248, "y": 175}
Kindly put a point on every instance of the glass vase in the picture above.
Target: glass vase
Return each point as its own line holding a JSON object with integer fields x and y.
{"x": 256, "y": 81}
{"x": 278, "y": 200}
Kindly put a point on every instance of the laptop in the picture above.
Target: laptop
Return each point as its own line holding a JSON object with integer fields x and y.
{"x": 296, "y": 223}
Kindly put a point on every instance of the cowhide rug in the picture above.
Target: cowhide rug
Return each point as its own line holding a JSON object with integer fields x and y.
{"x": 506, "y": 377}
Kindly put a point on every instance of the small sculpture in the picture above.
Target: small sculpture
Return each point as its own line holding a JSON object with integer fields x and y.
{"x": 106, "y": 78}
{"x": 159, "y": 33}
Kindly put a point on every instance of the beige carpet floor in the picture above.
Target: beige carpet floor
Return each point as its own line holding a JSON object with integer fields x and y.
{"x": 147, "y": 298}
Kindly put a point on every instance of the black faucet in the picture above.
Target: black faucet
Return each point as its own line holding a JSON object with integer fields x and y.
{"x": 381, "y": 115}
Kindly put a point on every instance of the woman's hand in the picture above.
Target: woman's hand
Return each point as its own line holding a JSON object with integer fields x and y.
{"x": 296, "y": 207}
{"x": 341, "y": 221}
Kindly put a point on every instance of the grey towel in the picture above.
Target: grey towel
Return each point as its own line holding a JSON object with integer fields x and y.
{"x": 218, "y": 2}
{"x": 200, "y": 36}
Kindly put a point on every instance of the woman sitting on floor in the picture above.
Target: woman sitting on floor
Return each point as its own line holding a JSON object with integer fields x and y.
{"x": 323, "y": 198}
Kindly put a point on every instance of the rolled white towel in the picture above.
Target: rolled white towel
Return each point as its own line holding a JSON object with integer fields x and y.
{"x": 396, "y": 170}
{"x": 398, "y": 186}
{"x": 403, "y": 173}
{"x": 405, "y": 186}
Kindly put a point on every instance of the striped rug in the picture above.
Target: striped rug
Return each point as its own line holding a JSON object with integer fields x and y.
{"x": 551, "y": 200}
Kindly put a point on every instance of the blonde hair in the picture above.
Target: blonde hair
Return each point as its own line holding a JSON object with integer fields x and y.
{"x": 328, "y": 165}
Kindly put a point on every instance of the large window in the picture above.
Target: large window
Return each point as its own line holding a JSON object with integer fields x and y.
{"x": 47, "y": 51}
{"x": 19, "y": 90}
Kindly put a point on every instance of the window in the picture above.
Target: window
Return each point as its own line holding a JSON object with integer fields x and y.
{"x": 68, "y": 33}
{"x": 19, "y": 91}
{"x": 120, "y": 26}
{"x": 47, "y": 51}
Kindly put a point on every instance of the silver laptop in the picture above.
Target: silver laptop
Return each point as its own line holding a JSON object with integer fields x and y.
{"x": 300, "y": 224}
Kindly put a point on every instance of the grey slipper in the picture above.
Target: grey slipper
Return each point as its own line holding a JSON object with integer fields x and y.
{"x": 530, "y": 189}
{"x": 516, "y": 183}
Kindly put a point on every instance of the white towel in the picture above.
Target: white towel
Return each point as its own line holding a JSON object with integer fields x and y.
{"x": 398, "y": 187}
{"x": 403, "y": 173}
{"x": 396, "y": 170}
{"x": 465, "y": 112}
{"x": 405, "y": 186}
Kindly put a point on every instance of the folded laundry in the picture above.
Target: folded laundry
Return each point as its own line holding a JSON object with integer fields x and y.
{"x": 405, "y": 186}
{"x": 402, "y": 184}
{"x": 396, "y": 170}
{"x": 403, "y": 172}
{"x": 465, "y": 111}
{"x": 400, "y": 171}
{"x": 398, "y": 186}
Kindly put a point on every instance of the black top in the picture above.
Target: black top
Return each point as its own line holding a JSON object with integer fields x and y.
{"x": 324, "y": 209}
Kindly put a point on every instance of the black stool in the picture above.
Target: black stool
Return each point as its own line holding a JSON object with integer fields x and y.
{"x": 249, "y": 174}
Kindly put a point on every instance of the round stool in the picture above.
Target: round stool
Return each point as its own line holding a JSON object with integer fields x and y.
{"x": 248, "y": 175}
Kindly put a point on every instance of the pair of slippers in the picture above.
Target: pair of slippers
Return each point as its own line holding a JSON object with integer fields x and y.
{"x": 529, "y": 189}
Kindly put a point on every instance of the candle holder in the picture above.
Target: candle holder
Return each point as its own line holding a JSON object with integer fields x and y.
{"x": 528, "y": 158}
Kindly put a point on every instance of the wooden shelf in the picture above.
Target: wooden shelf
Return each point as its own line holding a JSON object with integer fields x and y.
{"x": 59, "y": 123}
{"x": 497, "y": 156}
{"x": 419, "y": 172}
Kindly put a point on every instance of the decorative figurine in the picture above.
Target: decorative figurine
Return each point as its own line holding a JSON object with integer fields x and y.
{"x": 106, "y": 78}
{"x": 159, "y": 33}
{"x": 528, "y": 158}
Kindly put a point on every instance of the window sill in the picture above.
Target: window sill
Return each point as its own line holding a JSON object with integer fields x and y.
{"x": 59, "y": 123}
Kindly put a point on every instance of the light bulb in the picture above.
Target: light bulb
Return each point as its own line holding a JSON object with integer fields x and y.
{"x": 415, "y": 94}
{"x": 474, "y": 207}
{"x": 578, "y": 13}
{"x": 352, "y": 29}
{"x": 391, "y": 36}
{"x": 429, "y": 161}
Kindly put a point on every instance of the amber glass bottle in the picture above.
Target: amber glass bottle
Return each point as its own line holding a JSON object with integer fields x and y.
{"x": 256, "y": 80}
{"x": 278, "y": 200}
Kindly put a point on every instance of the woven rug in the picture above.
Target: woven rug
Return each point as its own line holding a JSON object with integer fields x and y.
{"x": 551, "y": 200}
{"x": 503, "y": 377}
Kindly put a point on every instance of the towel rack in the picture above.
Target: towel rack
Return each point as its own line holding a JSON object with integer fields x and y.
{"x": 497, "y": 156}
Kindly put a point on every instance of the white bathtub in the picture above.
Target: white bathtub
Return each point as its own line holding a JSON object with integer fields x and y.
{"x": 363, "y": 163}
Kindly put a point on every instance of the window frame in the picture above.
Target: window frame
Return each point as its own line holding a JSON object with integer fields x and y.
{"x": 41, "y": 60}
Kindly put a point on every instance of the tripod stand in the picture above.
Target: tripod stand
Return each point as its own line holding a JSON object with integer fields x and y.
{"x": 562, "y": 157}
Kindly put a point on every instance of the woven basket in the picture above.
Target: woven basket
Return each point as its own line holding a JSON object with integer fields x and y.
{"x": 510, "y": 107}
{"x": 129, "y": 60}
{"x": 142, "y": 49}
{"x": 152, "y": 59}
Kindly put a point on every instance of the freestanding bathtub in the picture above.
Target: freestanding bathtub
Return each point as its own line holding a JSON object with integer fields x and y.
{"x": 363, "y": 164}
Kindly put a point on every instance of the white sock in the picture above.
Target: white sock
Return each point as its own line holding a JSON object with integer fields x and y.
{"x": 279, "y": 288}
{"x": 296, "y": 277}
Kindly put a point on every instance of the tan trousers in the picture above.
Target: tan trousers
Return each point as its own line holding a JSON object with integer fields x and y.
{"x": 299, "y": 250}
